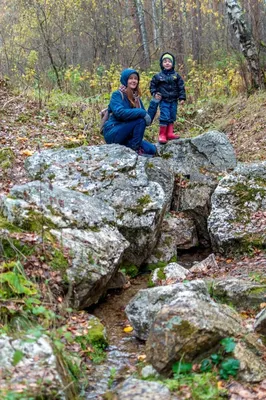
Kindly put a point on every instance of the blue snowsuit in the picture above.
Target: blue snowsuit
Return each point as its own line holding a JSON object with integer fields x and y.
{"x": 172, "y": 88}
{"x": 126, "y": 125}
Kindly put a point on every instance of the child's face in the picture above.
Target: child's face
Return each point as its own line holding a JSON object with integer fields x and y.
{"x": 133, "y": 81}
{"x": 167, "y": 64}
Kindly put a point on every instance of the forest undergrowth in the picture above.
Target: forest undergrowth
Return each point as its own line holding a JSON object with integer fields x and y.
{"x": 29, "y": 124}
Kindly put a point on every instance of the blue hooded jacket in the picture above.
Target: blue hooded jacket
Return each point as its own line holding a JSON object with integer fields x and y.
{"x": 120, "y": 108}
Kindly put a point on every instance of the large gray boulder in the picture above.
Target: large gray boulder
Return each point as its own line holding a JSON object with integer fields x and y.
{"x": 132, "y": 389}
{"x": 30, "y": 366}
{"x": 238, "y": 217}
{"x": 243, "y": 294}
{"x": 187, "y": 328}
{"x": 178, "y": 232}
{"x": 143, "y": 308}
{"x": 104, "y": 205}
{"x": 77, "y": 223}
{"x": 210, "y": 151}
{"x": 198, "y": 162}
{"x": 136, "y": 188}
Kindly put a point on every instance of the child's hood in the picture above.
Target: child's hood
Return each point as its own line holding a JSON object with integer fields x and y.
{"x": 161, "y": 60}
{"x": 126, "y": 74}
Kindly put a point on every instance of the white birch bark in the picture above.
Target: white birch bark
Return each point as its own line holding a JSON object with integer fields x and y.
{"x": 246, "y": 41}
{"x": 143, "y": 31}
{"x": 156, "y": 24}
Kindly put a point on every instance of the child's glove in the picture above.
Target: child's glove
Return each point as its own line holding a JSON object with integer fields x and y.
{"x": 147, "y": 119}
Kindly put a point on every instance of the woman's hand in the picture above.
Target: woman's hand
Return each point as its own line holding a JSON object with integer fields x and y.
{"x": 147, "y": 119}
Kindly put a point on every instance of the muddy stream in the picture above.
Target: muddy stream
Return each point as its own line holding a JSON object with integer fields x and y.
{"x": 124, "y": 349}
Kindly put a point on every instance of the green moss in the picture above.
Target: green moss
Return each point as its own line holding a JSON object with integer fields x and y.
{"x": 7, "y": 158}
{"x": 158, "y": 253}
{"x": 168, "y": 241}
{"x": 96, "y": 334}
{"x": 256, "y": 291}
{"x": 59, "y": 261}
{"x": 94, "y": 341}
{"x": 249, "y": 243}
{"x": 184, "y": 328}
{"x": 247, "y": 193}
{"x": 150, "y": 283}
{"x": 166, "y": 156}
{"x": 53, "y": 211}
{"x": 144, "y": 200}
{"x": 149, "y": 165}
{"x": 141, "y": 203}
{"x": 161, "y": 275}
{"x": 4, "y": 224}
{"x": 36, "y": 222}
{"x": 173, "y": 259}
{"x": 94, "y": 228}
{"x": 51, "y": 177}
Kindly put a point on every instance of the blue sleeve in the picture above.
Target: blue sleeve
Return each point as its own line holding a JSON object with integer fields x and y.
{"x": 153, "y": 106}
{"x": 181, "y": 88}
{"x": 120, "y": 108}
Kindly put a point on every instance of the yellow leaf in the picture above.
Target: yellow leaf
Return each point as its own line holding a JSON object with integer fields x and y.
{"x": 48, "y": 144}
{"x": 262, "y": 305}
{"x": 220, "y": 385}
{"x": 142, "y": 357}
{"x": 22, "y": 139}
{"x": 128, "y": 329}
{"x": 72, "y": 139}
{"x": 27, "y": 152}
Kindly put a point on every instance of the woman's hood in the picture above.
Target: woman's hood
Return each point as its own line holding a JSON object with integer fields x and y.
{"x": 126, "y": 74}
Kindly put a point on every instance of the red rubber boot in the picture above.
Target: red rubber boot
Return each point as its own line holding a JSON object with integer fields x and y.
{"x": 162, "y": 135}
{"x": 170, "y": 132}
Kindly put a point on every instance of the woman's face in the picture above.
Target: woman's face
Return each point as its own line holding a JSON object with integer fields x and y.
{"x": 133, "y": 81}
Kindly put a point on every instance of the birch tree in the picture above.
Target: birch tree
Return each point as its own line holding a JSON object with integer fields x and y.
{"x": 246, "y": 42}
{"x": 143, "y": 31}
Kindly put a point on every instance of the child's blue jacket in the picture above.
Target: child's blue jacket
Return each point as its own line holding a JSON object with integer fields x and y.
{"x": 168, "y": 83}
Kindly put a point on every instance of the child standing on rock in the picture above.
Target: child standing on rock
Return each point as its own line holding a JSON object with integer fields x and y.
{"x": 169, "y": 84}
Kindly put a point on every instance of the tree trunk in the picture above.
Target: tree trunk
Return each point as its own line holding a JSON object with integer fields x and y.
{"x": 155, "y": 24}
{"x": 143, "y": 32}
{"x": 246, "y": 41}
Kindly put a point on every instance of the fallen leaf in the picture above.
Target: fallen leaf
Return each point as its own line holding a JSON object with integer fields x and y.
{"x": 142, "y": 357}
{"x": 48, "y": 144}
{"x": 220, "y": 385}
{"x": 26, "y": 152}
{"x": 128, "y": 329}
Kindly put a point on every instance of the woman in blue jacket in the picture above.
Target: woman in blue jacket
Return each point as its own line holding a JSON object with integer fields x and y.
{"x": 127, "y": 116}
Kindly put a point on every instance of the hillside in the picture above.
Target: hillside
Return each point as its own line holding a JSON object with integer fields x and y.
{"x": 24, "y": 128}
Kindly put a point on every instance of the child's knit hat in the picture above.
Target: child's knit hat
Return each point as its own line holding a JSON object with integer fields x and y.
{"x": 169, "y": 56}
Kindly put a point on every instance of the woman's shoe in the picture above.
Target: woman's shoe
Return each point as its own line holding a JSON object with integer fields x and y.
{"x": 143, "y": 154}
